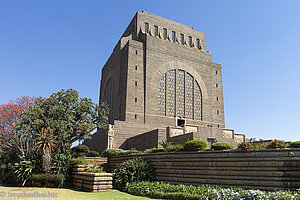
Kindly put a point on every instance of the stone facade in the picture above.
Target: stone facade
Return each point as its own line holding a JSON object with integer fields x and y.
{"x": 160, "y": 78}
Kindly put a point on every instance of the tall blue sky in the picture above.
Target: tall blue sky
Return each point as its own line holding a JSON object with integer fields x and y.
{"x": 49, "y": 45}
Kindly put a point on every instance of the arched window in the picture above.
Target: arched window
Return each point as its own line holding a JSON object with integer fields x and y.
{"x": 179, "y": 94}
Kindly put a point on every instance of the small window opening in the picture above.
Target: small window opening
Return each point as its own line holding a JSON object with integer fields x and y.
{"x": 217, "y": 112}
{"x": 135, "y": 67}
{"x": 190, "y": 41}
{"x": 217, "y": 98}
{"x": 135, "y": 52}
{"x": 135, "y": 116}
{"x": 135, "y": 83}
{"x": 146, "y": 27}
{"x": 165, "y": 33}
{"x": 135, "y": 99}
{"x": 180, "y": 122}
{"x": 182, "y": 38}
{"x": 198, "y": 44}
{"x": 173, "y": 36}
{"x": 155, "y": 30}
{"x": 216, "y": 72}
{"x": 217, "y": 85}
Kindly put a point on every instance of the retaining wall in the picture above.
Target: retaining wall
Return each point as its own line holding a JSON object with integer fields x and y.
{"x": 90, "y": 182}
{"x": 259, "y": 169}
{"x": 96, "y": 160}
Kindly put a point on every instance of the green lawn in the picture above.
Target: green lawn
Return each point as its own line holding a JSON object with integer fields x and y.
{"x": 64, "y": 194}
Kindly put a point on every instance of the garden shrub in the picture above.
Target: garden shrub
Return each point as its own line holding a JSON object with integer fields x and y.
{"x": 79, "y": 151}
{"x": 92, "y": 154}
{"x": 7, "y": 174}
{"x": 111, "y": 152}
{"x": 195, "y": 145}
{"x": 61, "y": 163}
{"x": 132, "y": 170}
{"x": 79, "y": 161}
{"x": 166, "y": 144}
{"x": 174, "y": 148}
{"x": 295, "y": 144}
{"x": 190, "y": 192}
{"x": 46, "y": 180}
{"x": 130, "y": 152}
{"x": 156, "y": 150}
{"x": 244, "y": 147}
{"x": 263, "y": 145}
{"x": 221, "y": 146}
{"x": 276, "y": 144}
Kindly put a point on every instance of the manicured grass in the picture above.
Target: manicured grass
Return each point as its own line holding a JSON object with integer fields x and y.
{"x": 66, "y": 194}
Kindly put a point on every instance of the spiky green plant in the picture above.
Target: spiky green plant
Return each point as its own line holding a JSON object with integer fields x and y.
{"x": 46, "y": 142}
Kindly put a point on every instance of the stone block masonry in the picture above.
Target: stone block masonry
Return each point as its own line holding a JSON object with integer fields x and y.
{"x": 259, "y": 169}
{"x": 159, "y": 77}
{"x": 91, "y": 182}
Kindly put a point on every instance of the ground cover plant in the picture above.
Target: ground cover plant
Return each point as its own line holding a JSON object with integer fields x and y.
{"x": 190, "y": 192}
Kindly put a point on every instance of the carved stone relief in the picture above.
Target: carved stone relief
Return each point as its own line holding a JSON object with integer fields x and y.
{"x": 179, "y": 94}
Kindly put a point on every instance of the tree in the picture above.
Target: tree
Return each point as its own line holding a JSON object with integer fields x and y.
{"x": 46, "y": 142}
{"x": 10, "y": 116}
{"x": 71, "y": 118}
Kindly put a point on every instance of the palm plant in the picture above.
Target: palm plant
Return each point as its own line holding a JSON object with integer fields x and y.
{"x": 46, "y": 142}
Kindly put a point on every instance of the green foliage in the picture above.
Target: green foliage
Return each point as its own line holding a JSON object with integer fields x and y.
{"x": 260, "y": 145}
{"x": 136, "y": 169}
{"x": 94, "y": 169}
{"x": 156, "y": 150}
{"x": 45, "y": 143}
{"x": 92, "y": 154}
{"x": 295, "y": 144}
{"x": 131, "y": 152}
{"x": 78, "y": 161}
{"x": 174, "y": 148}
{"x": 170, "y": 147}
{"x": 71, "y": 118}
{"x": 46, "y": 180}
{"x": 79, "y": 151}
{"x": 61, "y": 163}
{"x": 23, "y": 170}
{"x": 190, "y": 192}
{"x": 195, "y": 145}
{"x": 221, "y": 146}
{"x": 276, "y": 144}
{"x": 244, "y": 147}
{"x": 166, "y": 144}
{"x": 111, "y": 152}
{"x": 7, "y": 174}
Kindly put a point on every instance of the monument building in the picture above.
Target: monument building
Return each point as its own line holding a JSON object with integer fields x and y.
{"x": 161, "y": 84}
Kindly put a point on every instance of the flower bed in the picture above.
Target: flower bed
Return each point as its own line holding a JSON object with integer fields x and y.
{"x": 184, "y": 192}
